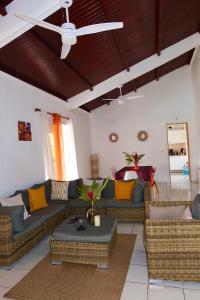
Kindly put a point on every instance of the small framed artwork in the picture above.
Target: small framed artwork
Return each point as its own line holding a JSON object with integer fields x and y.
{"x": 24, "y": 131}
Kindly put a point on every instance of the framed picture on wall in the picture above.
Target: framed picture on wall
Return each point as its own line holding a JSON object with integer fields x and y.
{"x": 24, "y": 131}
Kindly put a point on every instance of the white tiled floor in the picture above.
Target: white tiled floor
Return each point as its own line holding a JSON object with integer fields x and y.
{"x": 137, "y": 285}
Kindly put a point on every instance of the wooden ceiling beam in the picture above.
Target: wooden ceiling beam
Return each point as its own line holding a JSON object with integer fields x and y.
{"x": 157, "y": 71}
{"x": 24, "y": 78}
{"x": 64, "y": 64}
{"x": 134, "y": 86}
{"x": 114, "y": 37}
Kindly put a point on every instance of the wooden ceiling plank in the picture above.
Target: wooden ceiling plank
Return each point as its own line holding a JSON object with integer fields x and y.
{"x": 114, "y": 37}
{"x": 3, "y": 10}
{"x": 136, "y": 70}
{"x": 158, "y": 36}
{"x": 24, "y": 78}
{"x": 64, "y": 64}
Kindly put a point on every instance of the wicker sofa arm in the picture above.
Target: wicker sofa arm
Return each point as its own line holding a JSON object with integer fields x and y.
{"x": 172, "y": 235}
{"x": 165, "y": 203}
{"x": 6, "y": 230}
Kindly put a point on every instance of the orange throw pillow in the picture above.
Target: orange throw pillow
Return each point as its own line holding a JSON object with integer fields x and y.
{"x": 123, "y": 189}
{"x": 37, "y": 198}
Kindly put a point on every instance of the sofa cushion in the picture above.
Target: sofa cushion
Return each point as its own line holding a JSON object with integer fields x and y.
{"x": 37, "y": 198}
{"x": 166, "y": 212}
{"x": 17, "y": 216}
{"x": 123, "y": 189}
{"x": 59, "y": 190}
{"x": 196, "y": 207}
{"x": 73, "y": 187}
{"x": 62, "y": 202}
{"x": 13, "y": 201}
{"x": 109, "y": 190}
{"x": 78, "y": 203}
{"x": 113, "y": 203}
{"x": 47, "y": 185}
{"x": 138, "y": 192}
{"x": 30, "y": 224}
{"x": 49, "y": 211}
{"x": 24, "y": 194}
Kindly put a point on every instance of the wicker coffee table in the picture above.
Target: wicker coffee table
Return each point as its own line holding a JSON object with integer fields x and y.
{"x": 90, "y": 246}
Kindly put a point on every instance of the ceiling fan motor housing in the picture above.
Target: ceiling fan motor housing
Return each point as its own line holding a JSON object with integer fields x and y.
{"x": 66, "y": 3}
{"x": 68, "y": 35}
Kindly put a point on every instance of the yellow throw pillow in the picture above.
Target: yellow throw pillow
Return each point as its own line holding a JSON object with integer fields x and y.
{"x": 37, "y": 198}
{"x": 123, "y": 189}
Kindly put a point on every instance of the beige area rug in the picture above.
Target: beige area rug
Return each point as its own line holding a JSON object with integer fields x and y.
{"x": 77, "y": 281}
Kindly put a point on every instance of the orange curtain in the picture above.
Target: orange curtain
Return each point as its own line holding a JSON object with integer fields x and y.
{"x": 58, "y": 142}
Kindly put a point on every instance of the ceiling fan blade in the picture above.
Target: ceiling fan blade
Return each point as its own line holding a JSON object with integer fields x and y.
{"x": 98, "y": 28}
{"x": 39, "y": 23}
{"x": 64, "y": 51}
{"x": 134, "y": 97}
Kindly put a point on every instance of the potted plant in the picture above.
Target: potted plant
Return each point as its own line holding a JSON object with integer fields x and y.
{"x": 133, "y": 158}
{"x": 91, "y": 194}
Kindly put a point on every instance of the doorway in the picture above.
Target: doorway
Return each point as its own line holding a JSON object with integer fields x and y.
{"x": 179, "y": 156}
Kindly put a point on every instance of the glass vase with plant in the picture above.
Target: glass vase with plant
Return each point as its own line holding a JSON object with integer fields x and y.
{"x": 91, "y": 194}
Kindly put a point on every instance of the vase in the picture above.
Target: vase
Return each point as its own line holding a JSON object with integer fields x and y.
{"x": 91, "y": 213}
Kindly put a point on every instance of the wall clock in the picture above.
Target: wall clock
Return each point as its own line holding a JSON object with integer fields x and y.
{"x": 142, "y": 135}
{"x": 113, "y": 137}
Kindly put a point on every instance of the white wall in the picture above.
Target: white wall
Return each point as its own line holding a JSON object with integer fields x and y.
{"x": 195, "y": 75}
{"x": 170, "y": 100}
{"x": 21, "y": 163}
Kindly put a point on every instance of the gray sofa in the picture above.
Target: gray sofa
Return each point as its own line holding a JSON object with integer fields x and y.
{"x": 43, "y": 221}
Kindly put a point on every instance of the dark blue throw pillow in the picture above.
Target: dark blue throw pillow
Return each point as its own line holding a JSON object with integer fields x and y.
{"x": 109, "y": 190}
{"x": 17, "y": 216}
{"x": 73, "y": 188}
{"x": 196, "y": 207}
{"x": 138, "y": 192}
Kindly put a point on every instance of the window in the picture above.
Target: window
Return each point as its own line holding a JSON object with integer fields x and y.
{"x": 68, "y": 155}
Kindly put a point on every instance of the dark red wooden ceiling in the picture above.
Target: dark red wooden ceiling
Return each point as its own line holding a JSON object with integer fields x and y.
{"x": 149, "y": 27}
{"x": 3, "y": 4}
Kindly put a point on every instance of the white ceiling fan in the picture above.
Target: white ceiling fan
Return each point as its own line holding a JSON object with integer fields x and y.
{"x": 68, "y": 30}
{"x": 122, "y": 98}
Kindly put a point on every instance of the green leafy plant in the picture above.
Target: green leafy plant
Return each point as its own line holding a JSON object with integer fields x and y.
{"x": 92, "y": 193}
{"x": 133, "y": 158}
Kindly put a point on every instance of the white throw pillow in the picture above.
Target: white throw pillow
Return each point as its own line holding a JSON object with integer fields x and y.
{"x": 59, "y": 190}
{"x": 166, "y": 212}
{"x": 187, "y": 215}
{"x": 13, "y": 201}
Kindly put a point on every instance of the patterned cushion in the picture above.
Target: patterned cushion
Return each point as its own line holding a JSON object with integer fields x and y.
{"x": 59, "y": 190}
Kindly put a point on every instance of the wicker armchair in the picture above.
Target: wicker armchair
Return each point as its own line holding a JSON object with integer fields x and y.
{"x": 173, "y": 246}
